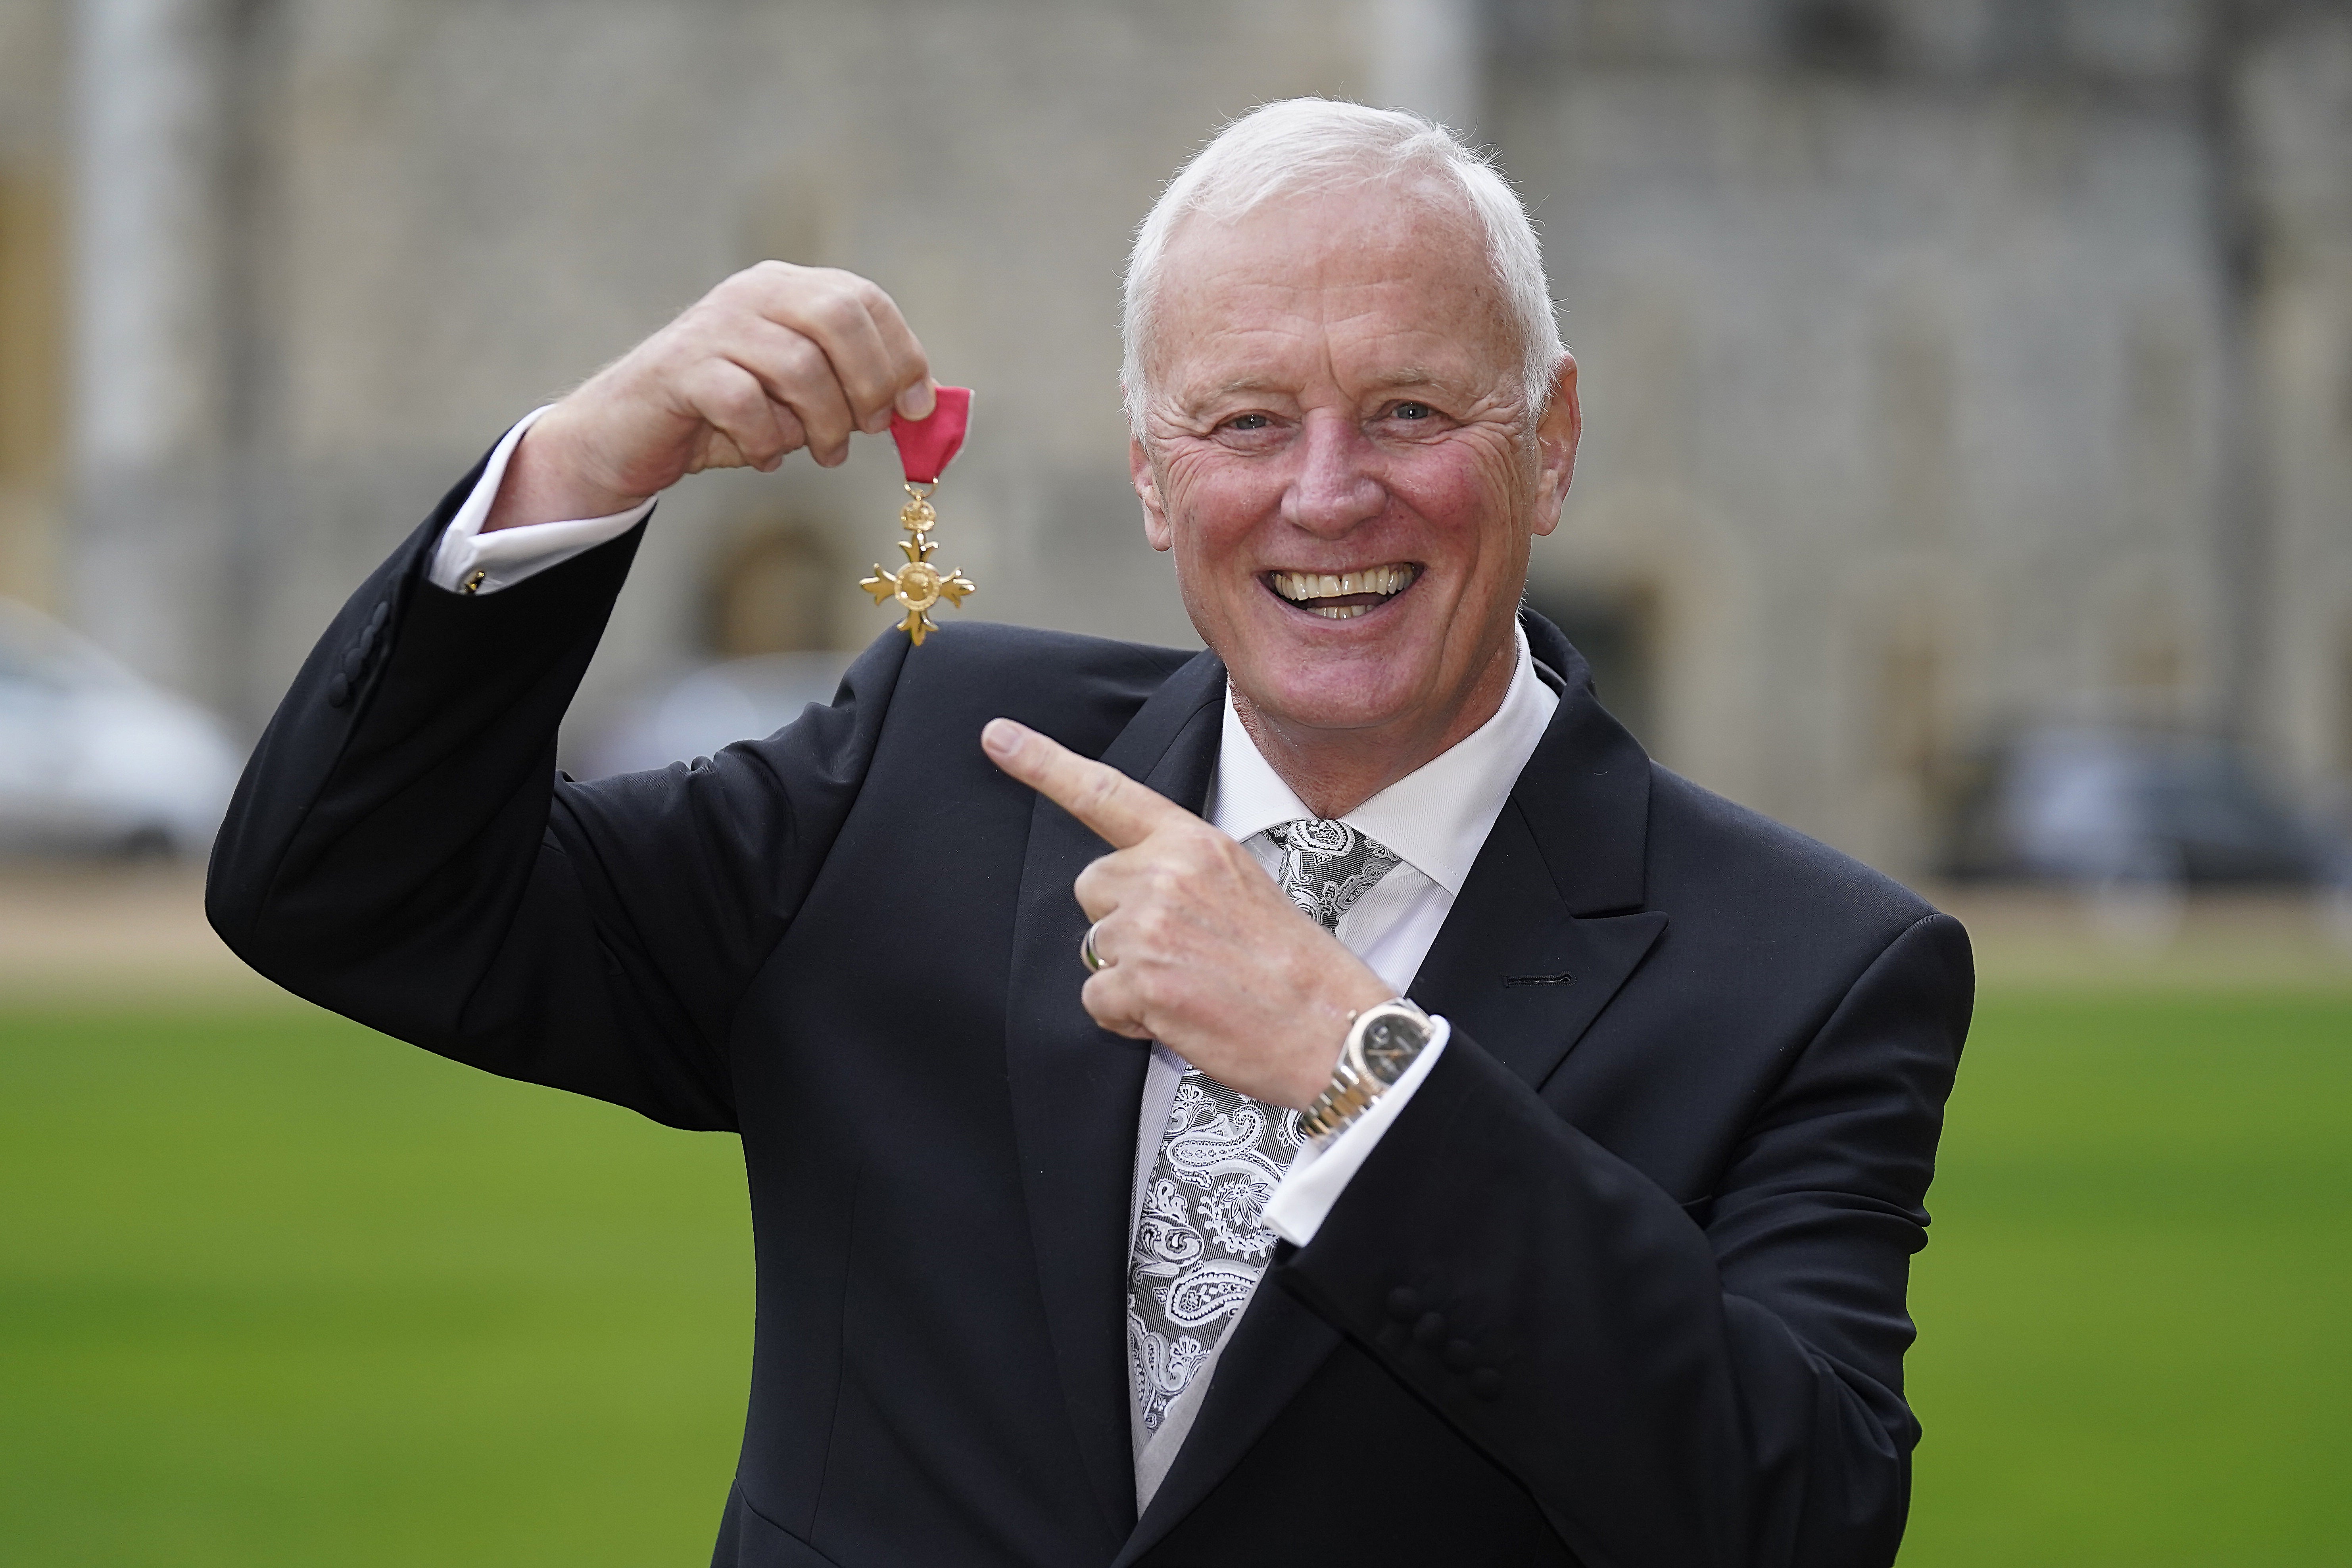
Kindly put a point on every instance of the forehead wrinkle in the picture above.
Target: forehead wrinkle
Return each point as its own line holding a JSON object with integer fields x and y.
{"x": 1315, "y": 299}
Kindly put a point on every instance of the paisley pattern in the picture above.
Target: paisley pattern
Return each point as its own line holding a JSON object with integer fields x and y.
{"x": 1201, "y": 1240}
{"x": 1327, "y": 866}
{"x": 1160, "y": 1369}
{"x": 1165, "y": 1243}
{"x": 1216, "y": 1290}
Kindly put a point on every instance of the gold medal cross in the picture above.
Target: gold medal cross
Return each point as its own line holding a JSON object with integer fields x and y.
{"x": 918, "y": 585}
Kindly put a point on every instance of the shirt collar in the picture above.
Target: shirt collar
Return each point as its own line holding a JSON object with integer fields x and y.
{"x": 1436, "y": 817}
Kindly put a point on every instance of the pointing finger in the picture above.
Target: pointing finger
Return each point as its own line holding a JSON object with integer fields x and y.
{"x": 1121, "y": 811}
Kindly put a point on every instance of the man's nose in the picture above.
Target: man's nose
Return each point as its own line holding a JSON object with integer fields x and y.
{"x": 1337, "y": 485}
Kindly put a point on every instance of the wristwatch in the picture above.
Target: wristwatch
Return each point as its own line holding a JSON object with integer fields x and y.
{"x": 1382, "y": 1042}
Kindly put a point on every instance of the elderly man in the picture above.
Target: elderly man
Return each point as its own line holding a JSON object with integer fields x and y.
{"x": 1473, "y": 1143}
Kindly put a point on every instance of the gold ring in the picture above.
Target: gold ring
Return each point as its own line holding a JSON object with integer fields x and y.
{"x": 1095, "y": 961}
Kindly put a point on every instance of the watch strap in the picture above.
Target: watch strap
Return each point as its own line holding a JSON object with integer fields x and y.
{"x": 1347, "y": 1095}
{"x": 1351, "y": 1090}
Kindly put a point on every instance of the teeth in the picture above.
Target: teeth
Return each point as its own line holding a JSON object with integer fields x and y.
{"x": 1301, "y": 586}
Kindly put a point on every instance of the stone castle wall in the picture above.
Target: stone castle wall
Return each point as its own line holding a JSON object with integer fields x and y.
{"x": 1950, "y": 366}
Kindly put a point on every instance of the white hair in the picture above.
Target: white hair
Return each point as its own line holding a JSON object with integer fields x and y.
{"x": 1320, "y": 145}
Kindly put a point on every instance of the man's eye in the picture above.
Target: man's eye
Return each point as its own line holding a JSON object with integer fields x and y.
{"x": 1414, "y": 411}
{"x": 1249, "y": 421}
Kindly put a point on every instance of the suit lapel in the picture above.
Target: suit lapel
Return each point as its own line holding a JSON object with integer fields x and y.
{"x": 1549, "y": 922}
{"x": 1547, "y": 928}
{"x": 1075, "y": 1089}
{"x": 1514, "y": 970}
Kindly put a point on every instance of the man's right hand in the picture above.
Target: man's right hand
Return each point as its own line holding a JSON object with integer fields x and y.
{"x": 776, "y": 358}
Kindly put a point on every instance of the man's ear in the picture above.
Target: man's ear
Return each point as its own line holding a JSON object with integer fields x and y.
{"x": 1557, "y": 434}
{"x": 1147, "y": 491}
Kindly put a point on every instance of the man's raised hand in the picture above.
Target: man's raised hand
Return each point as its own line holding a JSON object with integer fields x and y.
{"x": 775, "y": 359}
{"x": 1203, "y": 951}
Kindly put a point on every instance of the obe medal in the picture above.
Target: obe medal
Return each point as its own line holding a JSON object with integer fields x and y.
{"x": 925, "y": 447}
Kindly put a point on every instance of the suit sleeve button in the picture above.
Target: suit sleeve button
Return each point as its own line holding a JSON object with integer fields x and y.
{"x": 1404, "y": 1303}
{"x": 338, "y": 691}
{"x": 1487, "y": 1382}
{"x": 1429, "y": 1329}
{"x": 1459, "y": 1356}
{"x": 383, "y": 613}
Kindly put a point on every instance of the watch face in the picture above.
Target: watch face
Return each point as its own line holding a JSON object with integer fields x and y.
{"x": 1390, "y": 1045}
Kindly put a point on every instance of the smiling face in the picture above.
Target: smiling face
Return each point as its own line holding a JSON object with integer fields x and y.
{"x": 1336, "y": 447}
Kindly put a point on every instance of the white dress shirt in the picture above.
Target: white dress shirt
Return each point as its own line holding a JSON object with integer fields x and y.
{"x": 511, "y": 555}
{"x": 1435, "y": 819}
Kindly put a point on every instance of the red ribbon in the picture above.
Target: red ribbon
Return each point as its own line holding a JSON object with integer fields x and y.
{"x": 927, "y": 446}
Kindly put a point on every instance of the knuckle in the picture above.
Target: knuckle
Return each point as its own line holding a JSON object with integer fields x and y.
{"x": 710, "y": 382}
{"x": 798, "y": 358}
{"x": 1148, "y": 994}
{"x": 830, "y": 311}
{"x": 1099, "y": 789}
{"x": 1096, "y": 996}
{"x": 1192, "y": 853}
{"x": 743, "y": 401}
{"x": 738, "y": 292}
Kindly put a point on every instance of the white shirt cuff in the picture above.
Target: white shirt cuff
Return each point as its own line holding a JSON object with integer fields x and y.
{"x": 1322, "y": 1170}
{"x": 511, "y": 554}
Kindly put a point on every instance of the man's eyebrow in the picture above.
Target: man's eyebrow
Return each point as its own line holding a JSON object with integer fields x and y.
{"x": 1402, "y": 375}
{"x": 1239, "y": 384}
{"x": 1408, "y": 375}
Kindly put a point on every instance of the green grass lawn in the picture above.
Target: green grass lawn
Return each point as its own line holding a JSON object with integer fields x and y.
{"x": 277, "y": 1290}
{"x": 274, "y": 1290}
{"x": 2134, "y": 1312}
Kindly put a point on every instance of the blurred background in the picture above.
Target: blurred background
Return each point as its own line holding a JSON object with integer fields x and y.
{"x": 1968, "y": 482}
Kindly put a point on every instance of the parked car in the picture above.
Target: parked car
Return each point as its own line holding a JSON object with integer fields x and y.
{"x": 93, "y": 759}
{"x": 2094, "y": 803}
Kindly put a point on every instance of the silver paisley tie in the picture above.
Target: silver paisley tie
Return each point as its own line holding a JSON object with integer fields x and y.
{"x": 1200, "y": 1241}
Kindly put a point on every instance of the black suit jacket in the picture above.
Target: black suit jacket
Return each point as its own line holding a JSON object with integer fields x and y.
{"x": 1622, "y": 1286}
